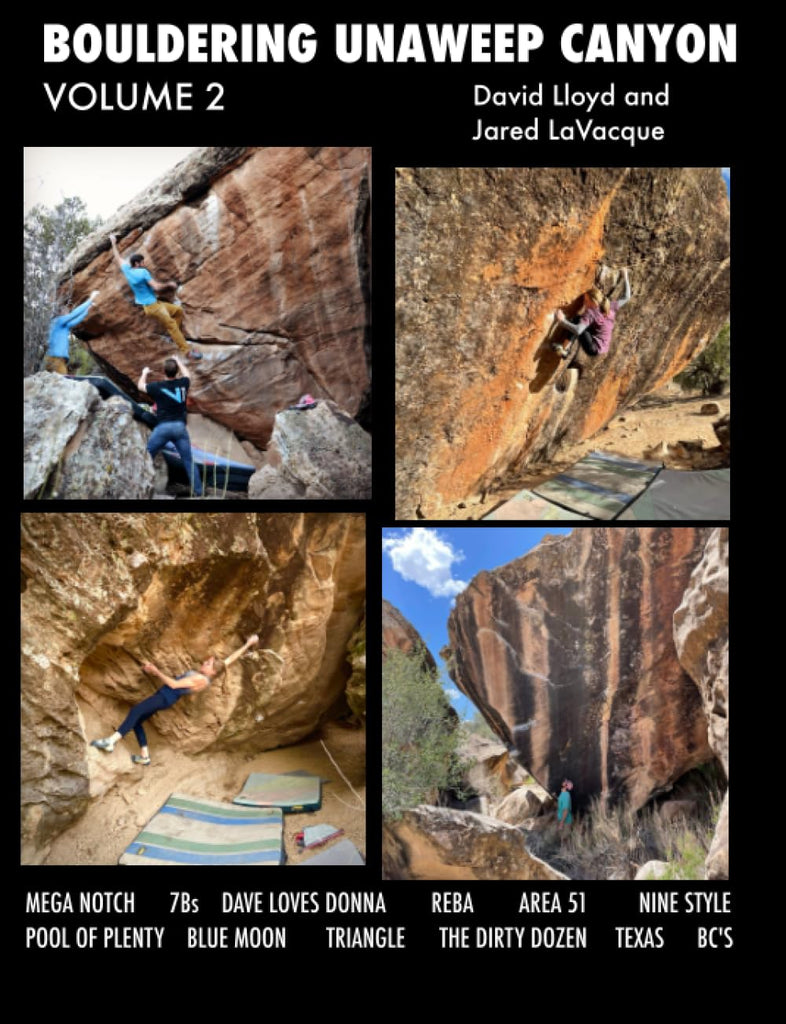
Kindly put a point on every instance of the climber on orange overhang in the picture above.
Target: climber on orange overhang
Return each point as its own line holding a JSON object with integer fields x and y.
{"x": 595, "y": 322}
{"x": 193, "y": 681}
{"x": 145, "y": 289}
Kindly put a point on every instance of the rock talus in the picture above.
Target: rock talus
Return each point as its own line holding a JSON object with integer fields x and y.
{"x": 270, "y": 252}
{"x": 569, "y": 653}
{"x": 484, "y": 257}
{"x": 102, "y": 593}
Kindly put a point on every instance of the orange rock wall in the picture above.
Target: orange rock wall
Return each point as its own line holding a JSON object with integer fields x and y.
{"x": 485, "y": 255}
{"x": 569, "y": 653}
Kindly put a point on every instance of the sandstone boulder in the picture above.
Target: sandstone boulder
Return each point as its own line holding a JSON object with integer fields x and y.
{"x": 484, "y": 257}
{"x": 319, "y": 453}
{"x": 701, "y": 635}
{"x": 78, "y": 447}
{"x": 521, "y": 804}
{"x": 493, "y": 772}
{"x": 104, "y": 592}
{"x": 441, "y": 844}
{"x": 569, "y": 653}
{"x": 270, "y": 249}
{"x": 652, "y": 871}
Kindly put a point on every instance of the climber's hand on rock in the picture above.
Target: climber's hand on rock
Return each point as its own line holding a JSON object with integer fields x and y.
{"x": 253, "y": 639}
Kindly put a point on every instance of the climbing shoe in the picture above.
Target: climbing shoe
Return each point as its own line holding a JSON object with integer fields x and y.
{"x": 138, "y": 759}
{"x": 193, "y": 354}
{"x": 559, "y": 349}
{"x": 106, "y": 745}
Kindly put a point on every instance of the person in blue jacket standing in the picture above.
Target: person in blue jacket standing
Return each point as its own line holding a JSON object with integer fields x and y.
{"x": 60, "y": 329}
{"x": 564, "y": 805}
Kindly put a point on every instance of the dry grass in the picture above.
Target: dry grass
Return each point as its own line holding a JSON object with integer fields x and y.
{"x": 611, "y": 842}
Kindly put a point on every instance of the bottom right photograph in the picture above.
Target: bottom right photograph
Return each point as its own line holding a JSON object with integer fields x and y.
{"x": 555, "y": 703}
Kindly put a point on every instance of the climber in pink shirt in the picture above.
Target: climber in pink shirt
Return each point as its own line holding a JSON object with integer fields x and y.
{"x": 596, "y": 321}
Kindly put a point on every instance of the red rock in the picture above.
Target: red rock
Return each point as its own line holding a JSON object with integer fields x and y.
{"x": 569, "y": 653}
{"x": 270, "y": 248}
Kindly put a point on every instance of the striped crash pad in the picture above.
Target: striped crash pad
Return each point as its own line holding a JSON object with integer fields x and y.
{"x": 343, "y": 853}
{"x": 291, "y": 792}
{"x": 600, "y": 485}
{"x": 191, "y": 830}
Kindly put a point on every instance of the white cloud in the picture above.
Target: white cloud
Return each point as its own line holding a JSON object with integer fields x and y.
{"x": 421, "y": 556}
{"x": 452, "y": 694}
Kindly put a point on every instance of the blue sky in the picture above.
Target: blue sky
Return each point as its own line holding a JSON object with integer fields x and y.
{"x": 423, "y": 568}
{"x": 726, "y": 172}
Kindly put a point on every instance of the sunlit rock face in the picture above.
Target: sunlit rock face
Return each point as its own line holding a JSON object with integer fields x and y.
{"x": 569, "y": 653}
{"x": 270, "y": 252}
{"x": 484, "y": 256}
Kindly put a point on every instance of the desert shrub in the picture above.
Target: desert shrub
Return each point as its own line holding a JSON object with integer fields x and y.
{"x": 710, "y": 372}
{"x": 49, "y": 236}
{"x": 419, "y": 736}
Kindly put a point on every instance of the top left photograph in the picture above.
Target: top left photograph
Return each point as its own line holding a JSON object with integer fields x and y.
{"x": 197, "y": 323}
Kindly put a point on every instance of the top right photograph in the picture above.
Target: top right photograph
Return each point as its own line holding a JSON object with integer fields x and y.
{"x": 562, "y": 343}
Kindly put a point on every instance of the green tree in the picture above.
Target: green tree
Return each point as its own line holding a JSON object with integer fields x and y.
{"x": 419, "y": 735}
{"x": 49, "y": 236}
{"x": 710, "y": 372}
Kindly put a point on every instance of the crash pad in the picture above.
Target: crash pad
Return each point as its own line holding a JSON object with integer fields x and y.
{"x": 527, "y": 505}
{"x": 192, "y": 830}
{"x": 600, "y": 485}
{"x": 290, "y": 792}
{"x": 343, "y": 853}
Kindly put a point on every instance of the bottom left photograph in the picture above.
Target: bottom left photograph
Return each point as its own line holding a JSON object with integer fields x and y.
{"x": 193, "y": 688}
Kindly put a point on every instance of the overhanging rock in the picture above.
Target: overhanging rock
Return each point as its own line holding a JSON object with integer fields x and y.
{"x": 485, "y": 256}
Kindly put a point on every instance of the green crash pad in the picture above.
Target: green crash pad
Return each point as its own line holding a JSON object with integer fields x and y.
{"x": 291, "y": 792}
{"x": 192, "y": 830}
{"x": 600, "y": 485}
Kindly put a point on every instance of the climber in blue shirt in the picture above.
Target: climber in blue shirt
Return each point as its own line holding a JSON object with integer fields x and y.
{"x": 60, "y": 331}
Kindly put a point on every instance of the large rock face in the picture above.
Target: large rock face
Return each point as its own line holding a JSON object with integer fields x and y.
{"x": 104, "y": 592}
{"x": 484, "y": 257}
{"x": 569, "y": 653}
{"x": 270, "y": 248}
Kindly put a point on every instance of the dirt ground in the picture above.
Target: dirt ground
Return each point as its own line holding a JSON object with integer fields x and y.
{"x": 113, "y": 820}
{"x": 668, "y": 415}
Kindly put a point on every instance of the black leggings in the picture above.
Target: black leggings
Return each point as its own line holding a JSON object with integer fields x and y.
{"x": 139, "y": 713}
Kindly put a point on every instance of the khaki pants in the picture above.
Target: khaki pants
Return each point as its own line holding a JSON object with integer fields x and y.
{"x": 169, "y": 316}
{"x": 56, "y": 364}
